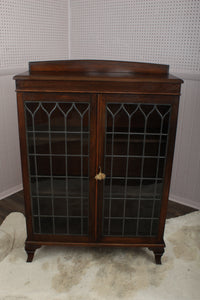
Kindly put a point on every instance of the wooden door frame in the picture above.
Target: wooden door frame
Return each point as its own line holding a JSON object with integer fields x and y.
{"x": 101, "y": 112}
{"x": 57, "y": 97}
{"x": 100, "y": 162}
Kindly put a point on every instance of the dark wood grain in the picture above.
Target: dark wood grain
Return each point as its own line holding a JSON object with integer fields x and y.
{"x": 30, "y": 250}
{"x": 102, "y": 66}
{"x": 24, "y": 163}
{"x": 99, "y": 82}
{"x": 135, "y": 87}
{"x": 100, "y": 157}
{"x": 168, "y": 167}
{"x": 92, "y": 172}
{"x": 158, "y": 252}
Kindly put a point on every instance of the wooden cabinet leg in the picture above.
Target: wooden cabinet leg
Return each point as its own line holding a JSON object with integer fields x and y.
{"x": 30, "y": 250}
{"x": 158, "y": 252}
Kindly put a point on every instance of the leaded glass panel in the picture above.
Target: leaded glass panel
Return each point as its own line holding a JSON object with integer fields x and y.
{"x": 58, "y": 155}
{"x": 136, "y": 139}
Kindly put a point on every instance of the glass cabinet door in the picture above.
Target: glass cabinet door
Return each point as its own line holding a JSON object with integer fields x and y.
{"x": 136, "y": 138}
{"x": 58, "y": 146}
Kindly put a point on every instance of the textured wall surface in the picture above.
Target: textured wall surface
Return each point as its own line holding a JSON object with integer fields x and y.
{"x": 32, "y": 30}
{"x": 29, "y": 31}
{"x": 164, "y": 31}
{"x": 185, "y": 187}
{"x": 10, "y": 169}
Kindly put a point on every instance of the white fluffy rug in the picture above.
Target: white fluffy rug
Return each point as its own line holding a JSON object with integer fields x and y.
{"x": 59, "y": 273}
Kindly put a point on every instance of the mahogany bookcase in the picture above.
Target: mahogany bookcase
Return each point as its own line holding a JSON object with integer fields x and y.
{"x": 97, "y": 141}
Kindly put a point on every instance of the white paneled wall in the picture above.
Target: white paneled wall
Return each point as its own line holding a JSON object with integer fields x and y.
{"x": 10, "y": 170}
{"x": 185, "y": 183}
{"x": 32, "y": 30}
{"x": 29, "y": 31}
{"x": 164, "y": 31}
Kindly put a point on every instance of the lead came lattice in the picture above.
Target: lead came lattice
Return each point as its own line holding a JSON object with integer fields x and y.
{"x": 135, "y": 153}
{"x": 58, "y": 136}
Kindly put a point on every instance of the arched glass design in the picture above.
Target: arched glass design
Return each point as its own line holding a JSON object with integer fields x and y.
{"x": 136, "y": 139}
{"x": 58, "y": 154}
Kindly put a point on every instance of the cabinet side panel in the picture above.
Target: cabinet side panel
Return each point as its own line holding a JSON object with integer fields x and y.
{"x": 168, "y": 167}
{"x": 24, "y": 163}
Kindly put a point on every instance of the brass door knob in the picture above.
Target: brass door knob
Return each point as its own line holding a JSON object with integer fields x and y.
{"x": 100, "y": 175}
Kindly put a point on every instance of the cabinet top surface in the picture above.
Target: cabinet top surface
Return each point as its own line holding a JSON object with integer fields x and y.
{"x": 98, "y": 70}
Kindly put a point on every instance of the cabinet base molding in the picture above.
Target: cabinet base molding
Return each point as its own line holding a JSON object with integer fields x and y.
{"x": 32, "y": 246}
